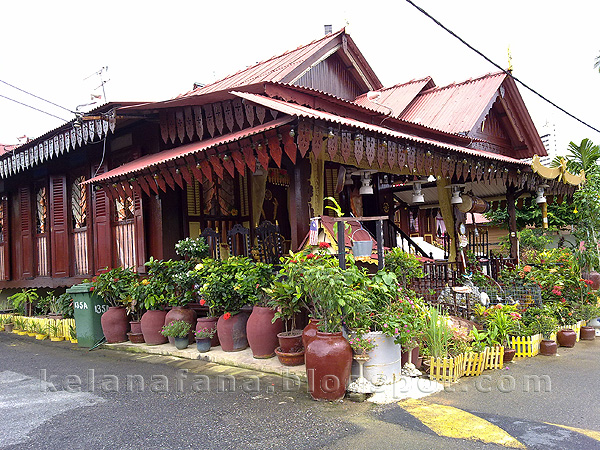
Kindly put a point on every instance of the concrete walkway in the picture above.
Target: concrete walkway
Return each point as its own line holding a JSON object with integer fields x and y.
{"x": 242, "y": 359}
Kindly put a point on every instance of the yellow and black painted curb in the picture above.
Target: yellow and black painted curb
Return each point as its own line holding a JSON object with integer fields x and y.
{"x": 448, "y": 421}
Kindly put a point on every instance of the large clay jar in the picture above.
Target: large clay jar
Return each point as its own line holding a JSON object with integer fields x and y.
{"x": 509, "y": 354}
{"x": 566, "y": 337}
{"x": 548, "y": 347}
{"x": 328, "y": 365}
{"x": 209, "y": 323}
{"x": 115, "y": 324}
{"x": 232, "y": 332}
{"x": 309, "y": 332}
{"x": 595, "y": 279}
{"x": 187, "y": 315}
{"x": 152, "y": 323}
{"x": 262, "y": 332}
{"x": 587, "y": 333}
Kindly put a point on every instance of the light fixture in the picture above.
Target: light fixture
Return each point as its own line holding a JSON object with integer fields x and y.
{"x": 349, "y": 181}
{"x": 456, "y": 199}
{"x": 540, "y": 194}
{"x": 365, "y": 179}
{"x": 417, "y": 194}
{"x": 259, "y": 172}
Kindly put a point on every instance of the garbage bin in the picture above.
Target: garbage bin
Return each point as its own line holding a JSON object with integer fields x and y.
{"x": 88, "y": 309}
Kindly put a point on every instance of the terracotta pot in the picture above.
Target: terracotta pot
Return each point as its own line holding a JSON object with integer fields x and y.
{"x": 262, "y": 332}
{"x": 136, "y": 338}
{"x": 587, "y": 333}
{"x": 548, "y": 347}
{"x": 135, "y": 327}
{"x": 209, "y": 323}
{"x": 187, "y": 315}
{"x": 290, "y": 359}
{"x": 115, "y": 324}
{"x": 413, "y": 357}
{"x": 232, "y": 332}
{"x": 290, "y": 341}
{"x": 152, "y": 322}
{"x": 509, "y": 354}
{"x": 309, "y": 332}
{"x": 566, "y": 338}
{"x": 8, "y": 327}
{"x": 328, "y": 365}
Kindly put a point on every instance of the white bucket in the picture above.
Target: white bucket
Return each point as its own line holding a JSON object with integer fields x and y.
{"x": 384, "y": 365}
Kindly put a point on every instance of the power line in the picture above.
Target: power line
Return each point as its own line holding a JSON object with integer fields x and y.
{"x": 29, "y": 106}
{"x": 39, "y": 98}
{"x": 500, "y": 68}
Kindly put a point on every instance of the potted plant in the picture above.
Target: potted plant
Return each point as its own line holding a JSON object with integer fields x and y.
{"x": 150, "y": 293}
{"x": 329, "y": 355}
{"x": 41, "y": 332}
{"x": 227, "y": 291}
{"x": 179, "y": 331}
{"x": 22, "y": 299}
{"x": 54, "y": 331}
{"x": 7, "y": 321}
{"x": 19, "y": 327}
{"x": 500, "y": 321}
{"x": 203, "y": 338}
{"x": 114, "y": 286}
{"x": 546, "y": 324}
{"x": 588, "y": 312}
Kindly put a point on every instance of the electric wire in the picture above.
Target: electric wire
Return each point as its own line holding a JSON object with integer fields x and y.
{"x": 39, "y": 98}
{"x": 32, "y": 107}
{"x": 437, "y": 22}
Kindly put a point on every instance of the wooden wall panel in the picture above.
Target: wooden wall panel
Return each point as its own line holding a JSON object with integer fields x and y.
{"x": 140, "y": 237}
{"x": 26, "y": 233}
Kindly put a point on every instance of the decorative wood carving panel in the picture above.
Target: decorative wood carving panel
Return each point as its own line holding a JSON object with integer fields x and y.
{"x": 332, "y": 143}
{"x": 346, "y": 145}
{"x": 289, "y": 145}
{"x": 249, "y": 107}
{"x": 317, "y": 141}
{"x": 392, "y": 154}
{"x": 210, "y": 118}
{"x": 218, "y": 114}
{"x": 381, "y": 152}
{"x": 238, "y": 112}
{"x": 172, "y": 125}
{"x": 249, "y": 157}
{"x": 189, "y": 122}
{"x": 228, "y": 114}
{"x": 304, "y": 136}
{"x": 274, "y": 146}
{"x": 260, "y": 114}
{"x": 180, "y": 123}
{"x": 216, "y": 164}
{"x": 370, "y": 150}
{"x": 359, "y": 147}
{"x": 198, "y": 121}
{"x": 229, "y": 164}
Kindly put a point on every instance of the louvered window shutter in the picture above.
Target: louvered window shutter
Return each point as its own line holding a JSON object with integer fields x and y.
{"x": 59, "y": 228}
{"x": 102, "y": 231}
{"x": 26, "y": 238}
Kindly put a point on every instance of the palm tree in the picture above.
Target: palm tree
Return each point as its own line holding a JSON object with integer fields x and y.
{"x": 584, "y": 157}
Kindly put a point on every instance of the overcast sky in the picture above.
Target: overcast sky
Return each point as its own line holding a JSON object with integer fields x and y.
{"x": 155, "y": 51}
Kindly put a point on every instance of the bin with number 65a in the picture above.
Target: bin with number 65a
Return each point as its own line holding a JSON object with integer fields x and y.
{"x": 88, "y": 309}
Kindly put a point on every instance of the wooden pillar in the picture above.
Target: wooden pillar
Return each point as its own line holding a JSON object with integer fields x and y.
{"x": 299, "y": 206}
{"x": 447, "y": 214}
{"x": 544, "y": 207}
{"x": 512, "y": 221}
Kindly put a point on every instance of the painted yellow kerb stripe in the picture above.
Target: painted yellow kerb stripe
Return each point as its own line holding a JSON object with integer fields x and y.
{"x": 456, "y": 423}
{"x": 589, "y": 433}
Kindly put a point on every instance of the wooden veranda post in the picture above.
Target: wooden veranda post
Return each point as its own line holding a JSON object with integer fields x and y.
{"x": 512, "y": 222}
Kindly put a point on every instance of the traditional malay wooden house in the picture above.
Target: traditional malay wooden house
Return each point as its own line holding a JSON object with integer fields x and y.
{"x": 248, "y": 160}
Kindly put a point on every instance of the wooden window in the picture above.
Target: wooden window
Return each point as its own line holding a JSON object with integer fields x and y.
{"x": 124, "y": 229}
{"x": 24, "y": 249}
{"x": 41, "y": 231}
{"x": 331, "y": 175}
{"x": 59, "y": 229}
{"x": 79, "y": 219}
{"x": 101, "y": 225}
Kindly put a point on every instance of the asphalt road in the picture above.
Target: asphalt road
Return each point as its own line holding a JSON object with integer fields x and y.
{"x": 57, "y": 396}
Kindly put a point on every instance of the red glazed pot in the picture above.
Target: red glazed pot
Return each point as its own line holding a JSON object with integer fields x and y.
{"x": 290, "y": 341}
{"x": 115, "y": 324}
{"x": 151, "y": 323}
{"x": 587, "y": 333}
{"x": 310, "y": 331}
{"x": 232, "y": 332}
{"x": 262, "y": 332}
{"x": 595, "y": 279}
{"x": 208, "y": 323}
{"x": 328, "y": 366}
{"x": 548, "y": 347}
{"x": 136, "y": 338}
{"x": 187, "y": 315}
{"x": 290, "y": 359}
{"x": 135, "y": 327}
{"x": 509, "y": 354}
{"x": 566, "y": 338}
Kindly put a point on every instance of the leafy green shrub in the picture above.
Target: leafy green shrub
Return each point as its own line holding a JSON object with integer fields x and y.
{"x": 177, "y": 328}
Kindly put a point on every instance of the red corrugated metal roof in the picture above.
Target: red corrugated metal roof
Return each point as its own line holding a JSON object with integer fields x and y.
{"x": 454, "y": 108}
{"x": 293, "y": 109}
{"x": 156, "y": 159}
{"x": 273, "y": 69}
{"x": 396, "y": 98}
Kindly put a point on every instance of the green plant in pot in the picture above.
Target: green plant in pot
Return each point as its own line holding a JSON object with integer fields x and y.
{"x": 114, "y": 286}
{"x": 21, "y": 299}
{"x": 179, "y": 330}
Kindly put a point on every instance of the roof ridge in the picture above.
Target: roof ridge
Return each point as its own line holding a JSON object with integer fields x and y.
{"x": 460, "y": 83}
{"x": 272, "y": 58}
